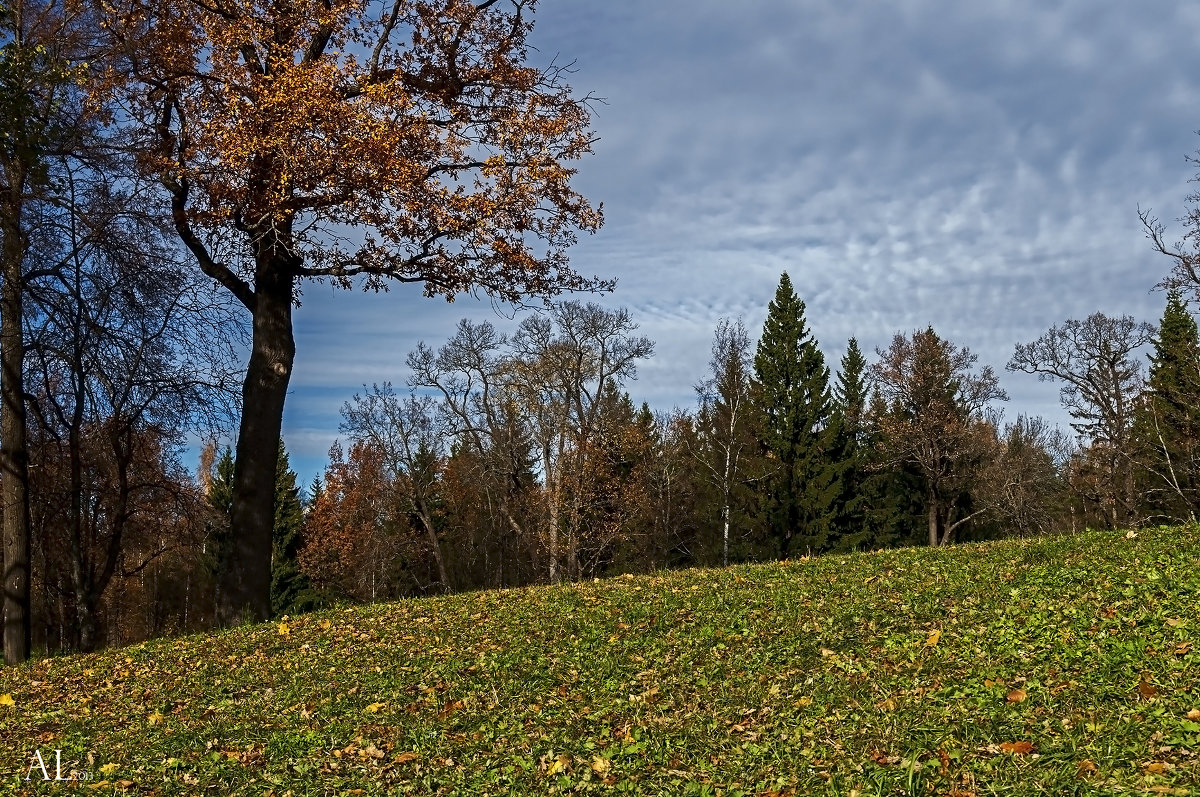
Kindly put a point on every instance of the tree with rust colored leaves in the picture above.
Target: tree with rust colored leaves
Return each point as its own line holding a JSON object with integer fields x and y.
{"x": 934, "y": 416}
{"x": 408, "y": 142}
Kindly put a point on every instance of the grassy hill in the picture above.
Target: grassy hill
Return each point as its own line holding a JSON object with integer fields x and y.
{"x": 1051, "y": 666}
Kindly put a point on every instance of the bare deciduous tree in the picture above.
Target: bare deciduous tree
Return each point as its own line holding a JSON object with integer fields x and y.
{"x": 1102, "y": 377}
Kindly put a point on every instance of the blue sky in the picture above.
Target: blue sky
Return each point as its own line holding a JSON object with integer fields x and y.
{"x": 975, "y": 166}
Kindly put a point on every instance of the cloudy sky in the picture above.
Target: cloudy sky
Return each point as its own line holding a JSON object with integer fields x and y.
{"x": 976, "y": 167}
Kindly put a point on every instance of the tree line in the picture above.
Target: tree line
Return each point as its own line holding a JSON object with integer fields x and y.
{"x": 173, "y": 171}
{"x": 512, "y": 460}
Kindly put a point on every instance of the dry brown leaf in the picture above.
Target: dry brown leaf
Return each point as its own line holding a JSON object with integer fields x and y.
{"x": 1016, "y": 748}
{"x": 1017, "y": 695}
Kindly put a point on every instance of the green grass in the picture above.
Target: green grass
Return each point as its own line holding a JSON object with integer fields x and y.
{"x": 1051, "y": 666}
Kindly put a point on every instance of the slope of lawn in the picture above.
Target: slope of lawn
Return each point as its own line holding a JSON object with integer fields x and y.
{"x": 1054, "y": 666}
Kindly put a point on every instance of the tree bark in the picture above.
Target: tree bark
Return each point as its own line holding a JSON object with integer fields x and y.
{"x": 14, "y": 453}
{"x": 246, "y": 592}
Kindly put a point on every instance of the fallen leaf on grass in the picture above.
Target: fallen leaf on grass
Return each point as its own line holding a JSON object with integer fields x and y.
{"x": 1016, "y": 696}
{"x": 1086, "y": 767}
{"x": 1016, "y": 748}
{"x": 7, "y": 700}
{"x": 374, "y": 708}
{"x": 600, "y": 765}
{"x": 284, "y": 630}
{"x": 1194, "y": 714}
{"x": 404, "y": 758}
{"x": 1146, "y": 690}
{"x": 933, "y": 638}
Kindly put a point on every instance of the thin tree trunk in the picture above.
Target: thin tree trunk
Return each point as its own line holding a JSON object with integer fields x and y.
{"x": 726, "y": 491}
{"x": 934, "y": 526}
{"x": 434, "y": 544}
{"x": 14, "y": 453}
{"x": 246, "y": 591}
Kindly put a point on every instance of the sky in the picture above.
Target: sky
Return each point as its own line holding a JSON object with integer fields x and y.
{"x": 975, "y": 167}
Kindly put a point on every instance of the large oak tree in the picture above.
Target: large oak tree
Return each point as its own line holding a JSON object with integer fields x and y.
{"x": 397, "y": 141}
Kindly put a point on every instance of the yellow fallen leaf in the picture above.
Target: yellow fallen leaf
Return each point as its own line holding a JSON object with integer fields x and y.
{"x": 7, "y": 700}
{"x": 325, "y": 624}
{"x": 108, "y": 769}
{"x": 1194, "y": 714}
{"x": 600, "y": 765}
{"x": 155, "y": 718}
{"x": 933, "y": 639}
{"x": 284, "y": 630}
{"x": 560, "y": 764}
{"x": 375, "y": 707}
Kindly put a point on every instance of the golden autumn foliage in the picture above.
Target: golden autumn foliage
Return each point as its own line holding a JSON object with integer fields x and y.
{"x": 419, "y": 125}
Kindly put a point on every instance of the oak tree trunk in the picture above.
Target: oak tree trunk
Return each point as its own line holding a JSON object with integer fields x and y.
{"x": 246, "y": 591}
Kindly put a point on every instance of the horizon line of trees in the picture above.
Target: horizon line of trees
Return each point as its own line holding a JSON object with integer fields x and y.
{"x": 519, "y": 460}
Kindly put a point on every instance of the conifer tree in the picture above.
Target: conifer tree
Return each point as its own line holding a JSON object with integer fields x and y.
{"x": 851, "y": 452}
{"x": 1168, "y": 422}
{"x": 220, "y": 499}
{"x": 791, "y": 391}
{"x": 289, "y": 586}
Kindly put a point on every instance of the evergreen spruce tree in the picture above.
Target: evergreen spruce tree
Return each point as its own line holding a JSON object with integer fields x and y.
{"x": 851, "y": 451}
{"x": 290, "y": 591}
{"x": 791, "y": 392}
{"x": 220, "y": 540}
{"x": 1168, "y": 422}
